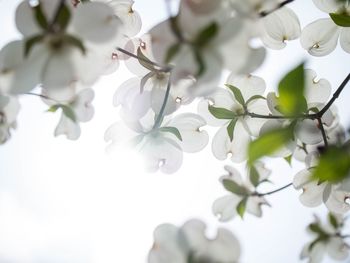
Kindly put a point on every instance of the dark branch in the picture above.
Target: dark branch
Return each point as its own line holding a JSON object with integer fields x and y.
{"x": 280, "y": 5}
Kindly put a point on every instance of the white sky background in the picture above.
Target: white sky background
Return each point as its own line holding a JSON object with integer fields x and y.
{"x": 66, "y": 201}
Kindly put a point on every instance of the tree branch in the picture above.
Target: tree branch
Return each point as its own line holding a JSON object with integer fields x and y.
{"x": 274, "y": 191}
{"x": 280, "y": 5}
{"x": 324, "y": 136}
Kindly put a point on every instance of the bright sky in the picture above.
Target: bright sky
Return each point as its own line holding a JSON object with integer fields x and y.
{"x": 67, "y": 202}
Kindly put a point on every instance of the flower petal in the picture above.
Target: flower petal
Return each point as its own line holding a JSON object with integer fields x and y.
{"x": 225, "y": 207}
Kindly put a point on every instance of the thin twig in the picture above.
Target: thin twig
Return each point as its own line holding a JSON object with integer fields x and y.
{"x": 324, "y": 136}
{"x": 280, "y": 5}
{"x": 41, "y": 96}
{"x": 161, "y": 67}
{"x": 160, "y": 116}
{"x": 274, "y": 191}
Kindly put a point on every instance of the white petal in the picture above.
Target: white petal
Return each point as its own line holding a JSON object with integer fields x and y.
{"x": 188, "y": 124}
{"x": 254, "y": 205}
{"x": 337, "y": 249}
{"x": 337, "y": 201}
{"x": 193, "y": 231}
{"x": 328, "y": 6}
{"x": 117, "y": 135}
{"x": 96, "y": 22}
{"x": 82, "y": 105}
{"x": 157, "y": 101}
{"x": 225, "y": 207}
{"x": 317, "y": 91}
{"x": 320, "y": 37}
{"x": 249, "y": 85}
{"x": 67, "y": 127}
{"x": 345, "y": 39}
{"x": 280, "y": 26}
{"x": 308, "y": 132}
{"x": 25, "y": 20}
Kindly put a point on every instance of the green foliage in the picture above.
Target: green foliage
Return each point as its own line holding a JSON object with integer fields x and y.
{"x": 241, "y": 207}
{"x": 63, "y": 17}
{"x": 255, "y": 97}
{"x": 221, "y": 113}
{"x": 172, "y": 130}
{"x": 342, "y": 20}
{"x": 67, "y": 111}
{"x": 291, "y": 92}
{"x": 144, "y": 61}
{"x": 30, "y": 42}
{"x": 237, "y": 93}
{"x": 234, "y": 188}
{"x": 172, "y": 51}
{"x": 269, "y": 143}
{"x": 334, "y": 164}
{"x": 231, "y": 128}
{"x": 206, "y": 35}
{"x": 40, "y": 17}
{"x": 71, "y": 40}
{"x": 254, "y": 176}
{"x": 333, "y": 221}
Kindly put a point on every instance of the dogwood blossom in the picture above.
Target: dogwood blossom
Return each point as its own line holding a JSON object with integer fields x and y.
{"x": 237, "y": 127}
{"x": 9, "y": 108}
{"x": 328, "y": 240}
{"x": 315, "y": 192}
{"x": 243, "y": 194}
{"x": 161, "y": 145}
{"x": 321, "y": 36}
{"x": 189, "y": 244}
{"x": 75, "y": 102}
{"x": 63, "y": 39}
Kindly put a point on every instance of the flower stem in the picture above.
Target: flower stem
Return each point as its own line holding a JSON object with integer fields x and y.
{"x": 274, "y": 191}
{"x": 324, "y": 136}
{"x": 160, "y": 116}
{"x": 280, "y": 5}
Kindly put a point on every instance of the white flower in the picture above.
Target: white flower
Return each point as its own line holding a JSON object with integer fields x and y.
{"x": 161, "y": 145}
{"x": 75, "y": 48}
{"x": 321, "y": 36}
{"x": 189, "y": 244}
{"x": 328, "y": 240}
{"x": 226, "y": 46}
{"x": 245, "y": 126}
{"x": 315, "y": 193}
{"x": 226, "y": 207}
{"x": 75, "y": 102}
{"x": 9, "y": 108}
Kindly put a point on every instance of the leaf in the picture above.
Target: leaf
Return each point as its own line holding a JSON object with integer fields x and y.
{"x": 172, "y": 130}
{"x": 255, "y": 97}
{"x": 314, "y": 227}
{"x": 289, "y": 159}
{"x": 237, "y": 93}
{"x": 231, "y": 128}
{"x": 291, "y": 92}
{"x": 221, "y": 113}
{"x": 241, "y": 207}
{"x": 254, "y": 176}
{"x": 233, "y": 187}
{"x": 342, "y": 20}
{"x": 268, "y": 143}
{"x": 144, "y": 61}
{"x": 72, "y": 40}
{"x": 53, "y": 108}
{"x": 206, "y": 35}
{"x": 40, "y": 17}
{"x": 172, "y": 51}
{"x": 63, "y": 17}
{"x": 145, "y": 79}
{"x": 334, "y": 164}
{"x": 200, "y": 62}
{"x": 333, "y": 220}
{"x": 30, "y": 42}
{"x": 68, "y": 112}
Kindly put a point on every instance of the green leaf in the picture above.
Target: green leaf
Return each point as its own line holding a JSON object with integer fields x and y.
{"x": 72, "y": 40}
{"x": 172, "y": 130}
{"x": 53, "y": 108}
{"x": 172, "y": 51}
{"x": 314, "y": 227}
{"x": 30, "y": 42}
{"x": 231, "y": 128}
{"x": 206, "y": 35}
{"x": 334, "y": 165}
{"x": 254, "y": 176}
{"x": 241, "y": 207}
{"x": 221, "y": 113}
{"x": 291, "y": 92}
{"x": 333, "y": 220}
{"x": 40, "y": 17}
{"x": 200, "y": 62}
{"x": 68, "y": 112}
{"x": 233, "y": 187}
{"x": 237, "y": 93}
{"x": 268, "y": 143}
{"x": 255, "y": 97}
{"x": 144, "y": 61}
{"x": 289, "y": 159}
{"x": 63, "y": 17}
{"x": 342, "y": 20}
